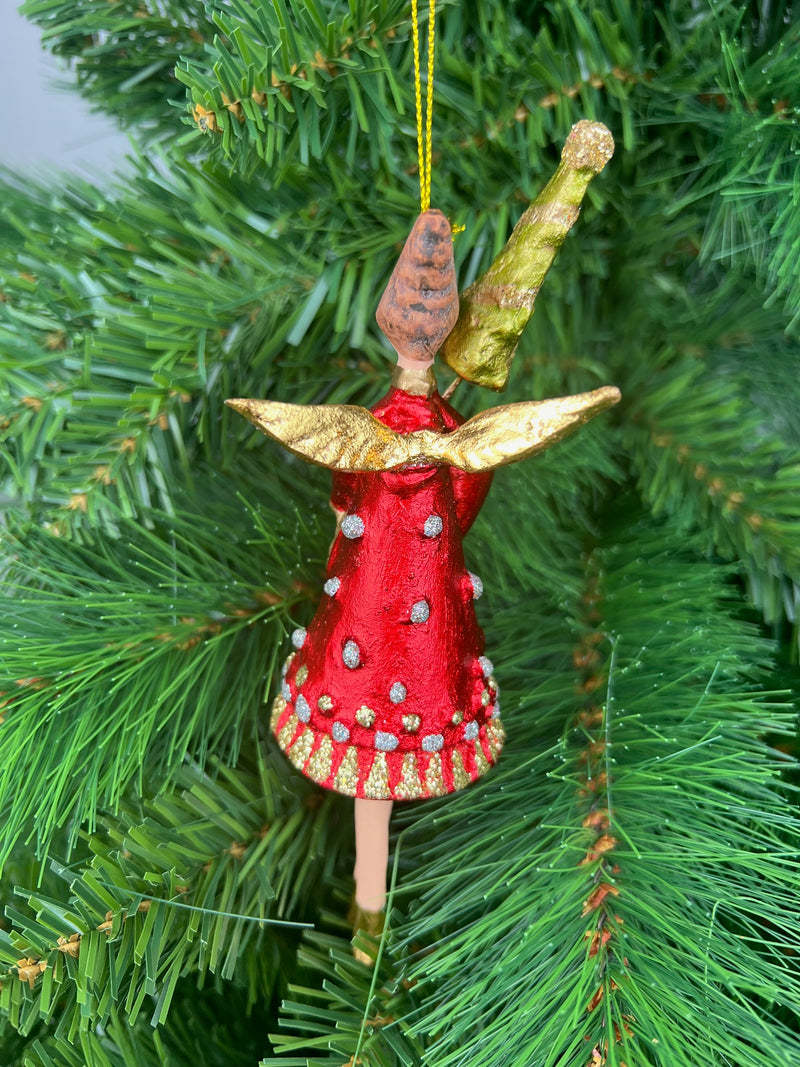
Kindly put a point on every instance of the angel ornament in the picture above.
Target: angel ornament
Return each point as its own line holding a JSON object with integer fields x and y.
{"x": 389, "y": 694}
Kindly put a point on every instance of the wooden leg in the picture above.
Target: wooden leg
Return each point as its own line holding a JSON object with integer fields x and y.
{"x": 372, "y": 853}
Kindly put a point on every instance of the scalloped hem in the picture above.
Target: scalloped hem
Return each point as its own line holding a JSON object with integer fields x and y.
{"x": 367, "y": 774}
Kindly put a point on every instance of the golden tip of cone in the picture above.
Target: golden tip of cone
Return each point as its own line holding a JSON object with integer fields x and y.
{"x": 589, "y": 146}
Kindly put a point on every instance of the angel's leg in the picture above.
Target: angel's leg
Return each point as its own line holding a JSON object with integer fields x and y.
{"x": 372, "y": 853}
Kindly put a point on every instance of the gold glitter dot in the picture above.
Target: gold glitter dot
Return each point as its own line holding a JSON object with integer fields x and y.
{"x": 411, "y": 723}
{"x": 458, "y": 718}
{"x": 325, "y": 703}
{"x": 301, "y": 676}
{"x": 492, "y": 684}
{"x": 365, "y": 716}
{"x": 319, "y": 766}
{"x": 288, "y": 662}
{"x": 278, "y": 708}
{"x": 481, "y": 761}
{"x": 434, "y": 779}
{"x": 495, "y": 735}
{"x": 485, "y": 698}
{"x": 409, "y": 787}
{"x": 346, "y": 780}
{"x": 287, "y": 731}
{"x": 461, "y": 778}
{"x": 376, "y": 786}
{"x": 301, "y": 749}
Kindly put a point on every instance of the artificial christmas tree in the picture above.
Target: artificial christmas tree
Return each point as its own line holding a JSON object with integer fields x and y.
{"x": 622, "y": 887}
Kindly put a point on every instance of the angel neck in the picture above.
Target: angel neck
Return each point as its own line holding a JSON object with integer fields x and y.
{"x": 416, "y": 381}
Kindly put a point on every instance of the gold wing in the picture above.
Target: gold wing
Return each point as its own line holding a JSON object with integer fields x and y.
{"x": 349, "y": 438}
{"x": 340, "y": 436}
{"x": 514, "y": 431}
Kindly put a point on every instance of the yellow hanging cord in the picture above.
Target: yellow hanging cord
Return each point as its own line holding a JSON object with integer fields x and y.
{"x": 424, "y": 154}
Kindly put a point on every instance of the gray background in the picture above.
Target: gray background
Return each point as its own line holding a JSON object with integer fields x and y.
{"x": 44, "y": 126}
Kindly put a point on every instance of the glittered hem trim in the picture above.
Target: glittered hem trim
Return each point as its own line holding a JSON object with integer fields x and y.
{"x": 340, "y": 767}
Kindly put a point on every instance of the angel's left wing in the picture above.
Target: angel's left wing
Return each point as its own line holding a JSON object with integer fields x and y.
{"x": 514, "y": 431}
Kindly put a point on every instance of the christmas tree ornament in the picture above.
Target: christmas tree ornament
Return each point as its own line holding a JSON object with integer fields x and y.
{"x": 388, "y": 694}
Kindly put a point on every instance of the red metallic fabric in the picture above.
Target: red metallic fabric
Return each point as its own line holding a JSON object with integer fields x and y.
{"x": 389, "y": 695}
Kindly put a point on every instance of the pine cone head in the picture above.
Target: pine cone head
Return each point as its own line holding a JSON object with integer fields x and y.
{"x": 419, "y": 306}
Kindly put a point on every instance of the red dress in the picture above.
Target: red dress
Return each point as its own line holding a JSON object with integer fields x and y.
{"x": 389, "y": 695}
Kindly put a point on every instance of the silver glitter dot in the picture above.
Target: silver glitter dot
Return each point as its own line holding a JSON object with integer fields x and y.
{"x": 340, "y": 732}
{"x": 332, "y": 585}
{"x": 299, "y": 637}
{"x": 477, "y": 586}
{"x": 420, "y": 612}
{"x": 398, "y": 692}
{"x": 495, "y": 712}
{"x": 385, "y": 742}
{"x": 432, "y": 743}
{"x": 471, "y": 731}
{"x": 433, "y": 525}
{"x": 302, "y": 710}
{"x": 351, "y": 655}
{"x": 286, "y": 692}
{"x": 486, "y": 665}
{"x": 352, "y": 526}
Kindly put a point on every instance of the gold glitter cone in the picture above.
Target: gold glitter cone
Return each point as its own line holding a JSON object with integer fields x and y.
{"x": 495, "y": 309}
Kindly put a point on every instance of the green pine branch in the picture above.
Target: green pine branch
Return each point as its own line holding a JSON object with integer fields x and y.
{"x": 662, "y": 815}
{"x": 193, "y": 884}
{"x": 121, "y": 656}
{"x": 621, "y": 888}
{"x": 194, "y": 1033}
{"x": 652, "y": 838}
{"x": 114, "y": 388}
{"x": 712, "y": 453}
{"x": 643, "y": 837}
{"x": 123, "y": 55}
{"x": 751, "y": 176}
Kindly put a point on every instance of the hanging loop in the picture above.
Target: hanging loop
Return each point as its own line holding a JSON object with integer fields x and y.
{"x": 424, "y": 128}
